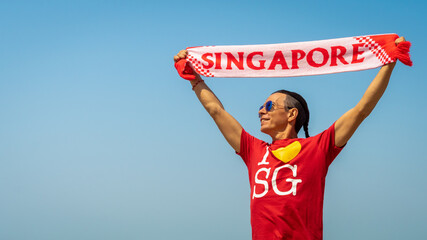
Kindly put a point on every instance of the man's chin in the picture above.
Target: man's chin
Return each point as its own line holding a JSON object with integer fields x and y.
{"x": 264, "y": 130}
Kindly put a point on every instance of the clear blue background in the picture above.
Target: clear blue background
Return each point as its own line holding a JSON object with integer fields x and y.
{"x": 101, "y": 139}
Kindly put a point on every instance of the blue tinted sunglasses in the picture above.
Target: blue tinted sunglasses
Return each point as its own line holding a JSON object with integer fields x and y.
{"x": 269, "y": 107}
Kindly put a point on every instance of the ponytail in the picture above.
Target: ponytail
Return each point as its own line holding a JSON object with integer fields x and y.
{"x": 306, "y": 129}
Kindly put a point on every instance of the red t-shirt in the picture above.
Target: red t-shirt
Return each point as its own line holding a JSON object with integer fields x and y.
{"x": 287, "y": 179}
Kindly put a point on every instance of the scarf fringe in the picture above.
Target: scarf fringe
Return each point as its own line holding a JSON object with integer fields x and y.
{"x": 401, "y": 52}
{"x": 185, "y": 70}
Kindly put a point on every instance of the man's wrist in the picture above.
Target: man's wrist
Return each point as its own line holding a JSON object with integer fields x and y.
{"x": 196, "y": 82}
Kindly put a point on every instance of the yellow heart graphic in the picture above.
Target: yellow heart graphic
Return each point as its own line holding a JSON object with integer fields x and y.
{"x": 286, "y": 154}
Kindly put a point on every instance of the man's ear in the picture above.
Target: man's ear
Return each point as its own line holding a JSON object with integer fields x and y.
{"x": 292, "y": 114}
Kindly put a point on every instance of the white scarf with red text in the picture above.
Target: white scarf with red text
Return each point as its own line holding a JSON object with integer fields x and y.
{"x": 295, "y": 59}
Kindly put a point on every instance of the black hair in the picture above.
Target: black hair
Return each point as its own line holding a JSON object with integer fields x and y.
{"x": 294, "y": 100}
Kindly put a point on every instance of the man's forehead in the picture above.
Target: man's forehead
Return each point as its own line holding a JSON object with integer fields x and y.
{"x": 276, "y": 97}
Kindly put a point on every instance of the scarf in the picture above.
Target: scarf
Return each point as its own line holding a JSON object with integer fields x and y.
{"x": 294, "y": 59}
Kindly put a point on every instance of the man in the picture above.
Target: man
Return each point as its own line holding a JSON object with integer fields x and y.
{"x": 287, "y": 177}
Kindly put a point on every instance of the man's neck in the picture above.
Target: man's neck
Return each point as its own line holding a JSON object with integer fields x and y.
{"x": 286, "y": 134}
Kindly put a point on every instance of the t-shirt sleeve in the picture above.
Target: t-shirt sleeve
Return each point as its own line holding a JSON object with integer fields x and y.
{"x": 246, "y": 142}
{"x": 327, "y": 144}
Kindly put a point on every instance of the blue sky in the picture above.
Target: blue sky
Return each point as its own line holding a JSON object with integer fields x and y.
{"x": 101, "y": 139}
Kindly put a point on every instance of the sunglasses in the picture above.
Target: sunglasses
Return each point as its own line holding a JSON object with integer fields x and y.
{"x": 269, "y": 106}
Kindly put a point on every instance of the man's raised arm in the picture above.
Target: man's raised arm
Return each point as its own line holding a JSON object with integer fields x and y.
{"x": 347, "y": 124}
{"x": 229, "y": 127}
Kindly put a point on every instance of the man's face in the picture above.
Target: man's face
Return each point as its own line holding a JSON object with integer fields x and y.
{"x": 275, "y": 120}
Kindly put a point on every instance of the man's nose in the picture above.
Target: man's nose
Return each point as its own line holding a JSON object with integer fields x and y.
{"x": 262, "y": 111}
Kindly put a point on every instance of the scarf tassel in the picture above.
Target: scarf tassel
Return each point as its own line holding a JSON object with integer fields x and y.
{"x": 185, "y": 70}
{"x": 401, "y": 52}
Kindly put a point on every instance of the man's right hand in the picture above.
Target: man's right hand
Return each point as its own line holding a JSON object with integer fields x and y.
{"x": 183, "y": 67}
{"x": 181, "y": 55}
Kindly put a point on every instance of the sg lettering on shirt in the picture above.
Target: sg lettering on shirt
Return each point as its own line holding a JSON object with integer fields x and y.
{"x": 281, "y": 192}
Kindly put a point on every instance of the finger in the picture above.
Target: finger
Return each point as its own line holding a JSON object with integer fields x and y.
{"x": 399, "y": 40}
{"x": 182, "y": 54}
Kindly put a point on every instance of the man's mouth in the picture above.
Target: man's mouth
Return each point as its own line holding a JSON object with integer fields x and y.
{"x": 263, "y": 120}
